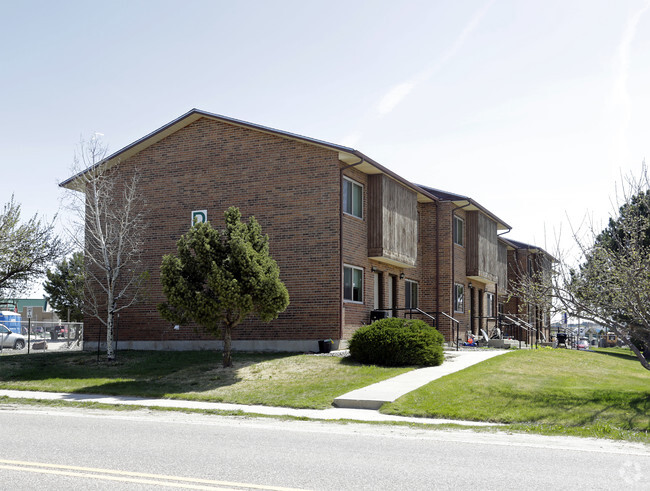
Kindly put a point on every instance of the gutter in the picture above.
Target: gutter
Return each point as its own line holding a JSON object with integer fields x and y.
{"x": 453, "y": 259}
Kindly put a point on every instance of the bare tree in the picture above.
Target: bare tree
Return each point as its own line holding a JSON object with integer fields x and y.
{"x": 109, "y": 227}
{"x": 608, "y": 281}
{"x": 533, "y": 283}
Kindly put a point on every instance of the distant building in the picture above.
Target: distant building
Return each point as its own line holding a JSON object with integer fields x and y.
{"x": 42, "y": 312}
{"x": 532, "y": 321}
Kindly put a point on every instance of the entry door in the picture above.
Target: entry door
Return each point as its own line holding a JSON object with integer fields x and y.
{"x": 376, "y": 291}
{"x": 391, "y": 295}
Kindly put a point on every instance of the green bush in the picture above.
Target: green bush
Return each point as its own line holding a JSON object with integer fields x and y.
{"x": 397, "y": 342}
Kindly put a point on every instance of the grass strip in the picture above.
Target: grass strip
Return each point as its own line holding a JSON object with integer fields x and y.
{"x": 604, "y": 393}
{"x": 298, "y": 381}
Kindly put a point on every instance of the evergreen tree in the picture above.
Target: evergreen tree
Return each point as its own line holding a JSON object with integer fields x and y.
{"x": 219, "y": 277}
{"x": 64, "y": 288}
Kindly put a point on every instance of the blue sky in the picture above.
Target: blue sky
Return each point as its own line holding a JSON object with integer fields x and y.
{"x": 532, "y": 108}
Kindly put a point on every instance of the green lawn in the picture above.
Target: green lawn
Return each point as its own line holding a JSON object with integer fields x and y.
{"x": 300, "y": 381}
{"x": 601, "y": 393}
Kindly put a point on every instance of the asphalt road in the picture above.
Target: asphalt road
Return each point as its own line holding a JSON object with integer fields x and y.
{"x": 89, "y": 449}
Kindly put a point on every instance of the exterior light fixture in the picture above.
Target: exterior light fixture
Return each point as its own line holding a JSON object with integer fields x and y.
{"x": 401, "y": 276}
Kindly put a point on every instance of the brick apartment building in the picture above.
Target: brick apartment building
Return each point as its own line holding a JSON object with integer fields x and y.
{"x": 526, "y": 261}
{"x": 349, "y": 235}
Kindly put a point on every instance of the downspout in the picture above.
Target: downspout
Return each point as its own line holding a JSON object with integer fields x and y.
{"x": 496, "y": 288}
{"x": 453, "y": 261}
{"x": 341, "y": 244}
{"x": 438, "y": 265}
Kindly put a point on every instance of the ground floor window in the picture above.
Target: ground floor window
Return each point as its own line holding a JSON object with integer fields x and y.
{"x": 352, "y": 284}
{"x": 459, "y": 297}
{"x": 411, "y": 294}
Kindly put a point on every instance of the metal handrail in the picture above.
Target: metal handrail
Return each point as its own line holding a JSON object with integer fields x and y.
{"x": 457, "y": 322}
{"x": 433, "y": 319}
{"x": 521, "y": 324}
{"x": 422, "y": 312}
{"x": 410, "y": 312}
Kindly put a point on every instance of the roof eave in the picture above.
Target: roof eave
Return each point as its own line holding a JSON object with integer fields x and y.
{"x": 345, "y": 153}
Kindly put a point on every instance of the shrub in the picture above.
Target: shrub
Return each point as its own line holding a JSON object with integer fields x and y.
{"x": 397, "y": 342}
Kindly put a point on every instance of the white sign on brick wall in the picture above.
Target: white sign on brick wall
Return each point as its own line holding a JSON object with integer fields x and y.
{"x": 199, "y": 216}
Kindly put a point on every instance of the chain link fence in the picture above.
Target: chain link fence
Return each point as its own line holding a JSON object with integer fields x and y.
{"x": 41, "y": 337}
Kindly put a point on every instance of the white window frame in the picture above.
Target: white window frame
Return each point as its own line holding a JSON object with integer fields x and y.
{"x": 459, "y": 300}
{"x": 408, "y": 294}
{"x": 489, "y": 301}
{"x": 459, "y": 239}
{"x": 352, "y": 270}
{"x": 351, "y": 201}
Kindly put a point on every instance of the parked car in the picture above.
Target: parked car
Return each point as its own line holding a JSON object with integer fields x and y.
{"x": 57, "y": 331}
{"x": 583, "y": 343}
{"x": 10, "y": 339}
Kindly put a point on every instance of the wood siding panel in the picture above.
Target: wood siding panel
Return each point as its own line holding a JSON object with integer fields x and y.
{"x": 392, "y": 225}
{"x": 482, "y": 247}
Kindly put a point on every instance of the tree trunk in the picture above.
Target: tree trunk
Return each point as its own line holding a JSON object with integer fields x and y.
{"x": 227, "y": 341}
{"x": 640, "y": 356}
{"x": 110, "y": 352}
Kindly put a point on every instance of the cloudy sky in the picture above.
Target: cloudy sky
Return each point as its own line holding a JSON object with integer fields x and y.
{"x": 532, "y": 108}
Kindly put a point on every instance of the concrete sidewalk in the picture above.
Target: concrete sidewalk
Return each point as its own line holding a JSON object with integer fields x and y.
{"x": 374, "y": 396}
{"x": 355, "y": 405}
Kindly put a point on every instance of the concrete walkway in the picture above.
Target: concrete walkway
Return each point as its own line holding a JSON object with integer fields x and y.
{"x": 358, "y": 405}
{"x": 374, "y": 396}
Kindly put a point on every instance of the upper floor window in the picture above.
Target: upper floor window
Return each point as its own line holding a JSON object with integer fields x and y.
{"x": 459, "y": 297}
{"x": 411, "y": 294}
{"x": 352, "y": 284}
{"x": 352, "y": 198}
{"x": 459, "y": 231}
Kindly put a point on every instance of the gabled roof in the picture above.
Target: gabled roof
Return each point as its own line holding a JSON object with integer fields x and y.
{"x": 467, "y": 203}
{"x": 346, "y": 154}
{"x": 529, "y": 247}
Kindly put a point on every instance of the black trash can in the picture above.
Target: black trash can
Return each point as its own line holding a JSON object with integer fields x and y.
{"x": 325, "y": 346}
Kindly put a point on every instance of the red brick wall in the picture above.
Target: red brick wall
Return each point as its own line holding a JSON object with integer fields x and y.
{"x": 355, "y": 253}
{"x": 292, "y": 189}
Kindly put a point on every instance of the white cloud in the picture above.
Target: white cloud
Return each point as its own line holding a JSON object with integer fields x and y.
{"x": 399, "y": 92}
{"x": 620, "y": 97}
{"x": 393, "y": 97}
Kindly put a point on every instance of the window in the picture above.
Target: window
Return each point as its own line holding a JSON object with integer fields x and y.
{"x": 352, "y": 284}
{"x": 459, "y": 298}
{"x": 352, "y": 198}
{"x": 489, "y": 299}
{"x": 411, "y": 294}
{"x": 459, "y": 231}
